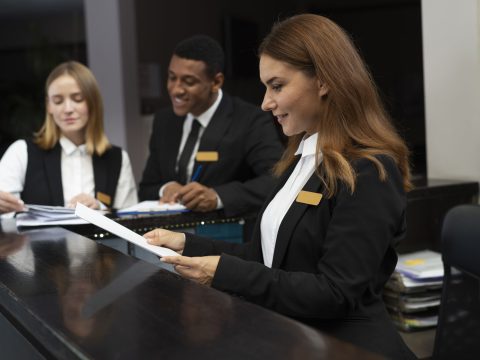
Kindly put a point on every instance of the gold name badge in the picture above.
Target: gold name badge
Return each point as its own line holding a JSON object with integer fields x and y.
{"x": 207, "y": 156}
{"x": 309, "y": 198}
{"x": 104, "y": 198}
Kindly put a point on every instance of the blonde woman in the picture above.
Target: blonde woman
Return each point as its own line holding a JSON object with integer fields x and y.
{"x": 70, "y": 159}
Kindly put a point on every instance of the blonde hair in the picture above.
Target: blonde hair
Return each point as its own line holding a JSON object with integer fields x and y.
{"x": 354, "y": 123}
{"x": 95, "y": 138}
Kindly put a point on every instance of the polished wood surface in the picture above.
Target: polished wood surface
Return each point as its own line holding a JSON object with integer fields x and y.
{"x": 74, "y": 298}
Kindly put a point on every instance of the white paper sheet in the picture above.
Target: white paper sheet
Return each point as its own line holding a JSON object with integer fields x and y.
{"x": 121, "y": 231}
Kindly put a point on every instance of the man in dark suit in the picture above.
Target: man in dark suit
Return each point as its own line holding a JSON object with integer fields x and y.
{"x": 208, "y": 150}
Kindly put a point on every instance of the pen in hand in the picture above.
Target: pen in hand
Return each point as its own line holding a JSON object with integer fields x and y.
{"x": 194, "y": 178}
{"x": 196, "y": 175}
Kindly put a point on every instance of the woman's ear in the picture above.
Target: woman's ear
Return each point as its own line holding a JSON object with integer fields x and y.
{"x": 322, "y": 88}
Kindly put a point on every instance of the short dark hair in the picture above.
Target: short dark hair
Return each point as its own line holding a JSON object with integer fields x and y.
{"x": 202, "y": 48}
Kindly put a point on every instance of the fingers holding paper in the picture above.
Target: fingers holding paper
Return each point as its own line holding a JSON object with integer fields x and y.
{"x": 9, "y": 202}
{"x": 84, "y": 199}
{"x": 169, "y": 239}
{"x": 199, "y": 269}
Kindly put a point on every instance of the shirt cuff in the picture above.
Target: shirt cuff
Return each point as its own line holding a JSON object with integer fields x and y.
{"x": 219, "y": 202}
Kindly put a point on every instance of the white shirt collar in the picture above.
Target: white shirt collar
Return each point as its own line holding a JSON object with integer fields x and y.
{"x": 308, "y": 146}
{"x": 205, "y": 118}
{"x": 69, "y": 147}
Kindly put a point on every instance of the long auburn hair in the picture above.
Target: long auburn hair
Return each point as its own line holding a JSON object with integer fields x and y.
{"x": 95, "y": 138}
{"x": 354, "y": 123}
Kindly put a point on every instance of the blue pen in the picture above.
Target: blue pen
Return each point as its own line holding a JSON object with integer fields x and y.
{"x": 196, "y": 175}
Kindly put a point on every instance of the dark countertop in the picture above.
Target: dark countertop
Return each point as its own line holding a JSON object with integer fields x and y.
{"x": 73, "y": 298}
{"x": 424, "y": 187}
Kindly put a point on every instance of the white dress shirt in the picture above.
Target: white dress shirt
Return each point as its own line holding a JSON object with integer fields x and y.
{"x": 76, "y": 171}
{"x": 204, "y": 120}
{"x": 283, "y": 200}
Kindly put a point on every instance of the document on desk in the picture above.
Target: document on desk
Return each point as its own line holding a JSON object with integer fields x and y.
{"x": 121, "y": 231}
{"x": 43, "y": 215}
{"x": 152, "y": 207}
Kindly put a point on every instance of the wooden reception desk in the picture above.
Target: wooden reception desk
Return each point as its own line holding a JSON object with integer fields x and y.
{"x": 65, "y": 296}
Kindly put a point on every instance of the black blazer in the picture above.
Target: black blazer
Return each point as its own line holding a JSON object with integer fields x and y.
{"x": 246, "y": 141}
{"x": 330, "y": 262}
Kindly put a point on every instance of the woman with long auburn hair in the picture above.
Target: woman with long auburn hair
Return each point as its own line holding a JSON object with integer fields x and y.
{"x": 323, "y": 246}
{"x": 70, "y": 159}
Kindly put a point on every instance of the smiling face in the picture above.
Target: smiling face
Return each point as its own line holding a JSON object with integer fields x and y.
{"x": 293, "y": 97}
{"x": 68, "y": 108}
{"x": 191, "y": 90}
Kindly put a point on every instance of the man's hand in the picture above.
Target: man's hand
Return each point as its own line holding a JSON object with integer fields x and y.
{"x": 200, "y": 269}
{"x": 84, "y": 199}
{"x": 198, "y": 197}
{"x": 9, "y": 202}
{"x": 170, "y": 193}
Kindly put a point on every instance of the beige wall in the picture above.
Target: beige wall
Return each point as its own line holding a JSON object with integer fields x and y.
{"x": 451, "y": 38}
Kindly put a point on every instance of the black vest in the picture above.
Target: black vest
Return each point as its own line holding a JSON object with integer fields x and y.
{"x": 43, "y": 180}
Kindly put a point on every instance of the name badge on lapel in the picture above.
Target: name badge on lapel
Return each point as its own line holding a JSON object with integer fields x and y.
{"x": 207, "y": 156}
{"x": 309, "y": 198}
{"x": 104, "y": 198}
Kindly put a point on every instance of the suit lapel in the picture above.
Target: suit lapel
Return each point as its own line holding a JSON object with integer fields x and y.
{"x": 52, "y": 162}
{"x": 290, "y": 221}
{"x": 214, "y": 132}
{"x": 170, "y": 141}
{"x": 256, "y": 236}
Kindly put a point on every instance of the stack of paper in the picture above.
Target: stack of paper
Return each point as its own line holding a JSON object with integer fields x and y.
{"x": 152, "y": 207}
{"x": 412, "y": 295}
{"x": 425, "y": 264}
{"x": 43, "y": 215}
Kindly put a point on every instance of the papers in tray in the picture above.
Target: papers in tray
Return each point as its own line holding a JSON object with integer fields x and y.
{"x": 408, "y": 303}
{"x": 403, "y": 284}
{"x": 421, "y": 265}
{"x": 151, "y": 207}
{"x": 415, "y": 321}
{"x": 121, "y": 231}
{"x": 43, "y": 215}
{"x": 412, "y": 294}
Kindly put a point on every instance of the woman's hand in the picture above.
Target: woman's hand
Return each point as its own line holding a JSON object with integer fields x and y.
{"x": 166, "y": 238}
{"x": 84, "y": 199}
{"x": 200, "y": 269}
{"x": 9, "y": 202}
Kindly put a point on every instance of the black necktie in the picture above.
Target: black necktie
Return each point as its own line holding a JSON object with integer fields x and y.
{"x": 187, "y": 152}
